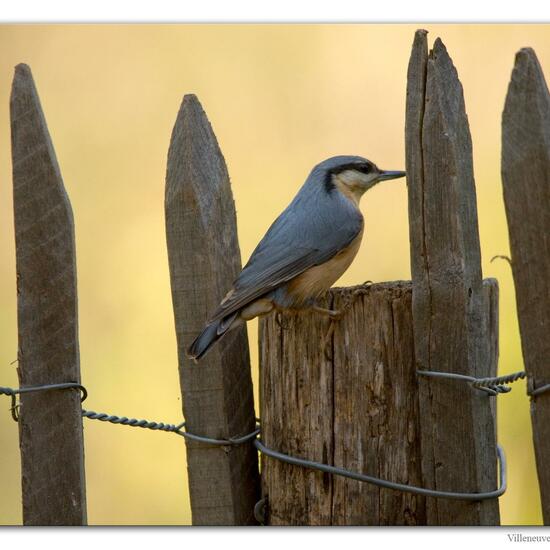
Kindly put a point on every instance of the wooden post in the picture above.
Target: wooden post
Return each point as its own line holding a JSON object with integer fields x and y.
{"x": 450, "y": 324}
{"x": 356, "y": 407}
{"x": 297, "y": 413}
{"x": 526, "y": 183}
{"x": 204, "y": 260}
{"x": 50, "y": 423}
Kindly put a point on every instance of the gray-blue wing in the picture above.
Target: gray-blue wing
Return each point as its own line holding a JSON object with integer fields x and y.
{"x": 314, "y": 228}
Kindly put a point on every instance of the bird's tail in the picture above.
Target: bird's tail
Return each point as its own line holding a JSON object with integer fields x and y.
{"x": 210, "y": 335}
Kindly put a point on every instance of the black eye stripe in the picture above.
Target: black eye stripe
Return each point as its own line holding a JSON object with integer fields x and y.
{"x": 363, "y": 167}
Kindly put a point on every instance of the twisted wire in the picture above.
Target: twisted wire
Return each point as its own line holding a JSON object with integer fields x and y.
{"x": 124, "y": 420}
{"x": 499, "y": 383}
{"x": 132, "y": 422}
{"x": 174, "y": 428}
{"x": 14, "y": 392}
{"x": 490, "y": 385}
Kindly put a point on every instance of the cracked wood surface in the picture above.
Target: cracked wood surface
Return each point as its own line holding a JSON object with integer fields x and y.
{"x": 356, "y": 409}
{"x": 204, "y": 260}
{"x": 50, "y": 423}
{"x": 451, "y": 330}
{"x": 526, "y": 186}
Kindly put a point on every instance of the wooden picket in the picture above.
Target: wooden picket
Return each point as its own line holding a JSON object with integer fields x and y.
{"x": 50, "y": 422}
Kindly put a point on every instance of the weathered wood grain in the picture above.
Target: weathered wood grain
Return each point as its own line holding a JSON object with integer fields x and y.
{"x": 356, "y": 410}
{"x": 204, "y": 260}
{"x": 296, "y": 408}
{"x": 491, "y": 329}
{"x": 450, "y": 331}
{"x": 50, "y": 423}
{"x": 376, "y": 407}
{"x": 416, "y": 92}
{"x": 526, "y": 184}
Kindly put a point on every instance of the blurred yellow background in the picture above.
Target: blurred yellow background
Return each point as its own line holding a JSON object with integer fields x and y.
{"x": 280, "y": 98}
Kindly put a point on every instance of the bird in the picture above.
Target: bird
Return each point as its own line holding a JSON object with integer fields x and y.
{"x": 304, "y": 252}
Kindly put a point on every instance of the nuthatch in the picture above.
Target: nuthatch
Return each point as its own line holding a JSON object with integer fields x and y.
{"x": 304, "y": 252}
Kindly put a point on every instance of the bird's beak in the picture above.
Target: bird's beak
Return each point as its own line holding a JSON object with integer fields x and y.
{"x": 390, "y": 175}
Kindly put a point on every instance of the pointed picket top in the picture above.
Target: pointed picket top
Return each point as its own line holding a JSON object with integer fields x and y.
{"x": 195, "y": 159}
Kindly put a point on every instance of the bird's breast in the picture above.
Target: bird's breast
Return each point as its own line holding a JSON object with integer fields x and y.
{"x": 315, "y": 281}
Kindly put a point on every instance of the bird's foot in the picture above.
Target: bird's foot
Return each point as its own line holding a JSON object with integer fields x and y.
{"x": 279, "y": 320}
{"x": 336, "y": 316}
{"x": 333, "y": 314}
{"x": 326, "y": 343}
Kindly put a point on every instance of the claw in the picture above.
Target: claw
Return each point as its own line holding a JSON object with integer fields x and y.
{"x": 335, "y": 315}
{"x": 327, "y": 341}
{"x": 279, "y": 321}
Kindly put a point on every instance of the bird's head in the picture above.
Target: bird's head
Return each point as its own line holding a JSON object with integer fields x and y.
{"x": 352, "y": 176}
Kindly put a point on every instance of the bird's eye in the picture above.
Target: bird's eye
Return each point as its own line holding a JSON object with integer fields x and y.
{"x": 365, "y": 168}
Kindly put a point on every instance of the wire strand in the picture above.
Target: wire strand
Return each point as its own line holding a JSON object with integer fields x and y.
{"x": 391, "y": 484}
{"x": 490, "y": 385}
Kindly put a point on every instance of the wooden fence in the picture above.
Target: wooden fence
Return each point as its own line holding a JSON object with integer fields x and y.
{"x": 361, "y": 401}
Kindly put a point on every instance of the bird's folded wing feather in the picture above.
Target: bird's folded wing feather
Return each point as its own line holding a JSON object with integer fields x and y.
{"x": 293, "y": 244}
